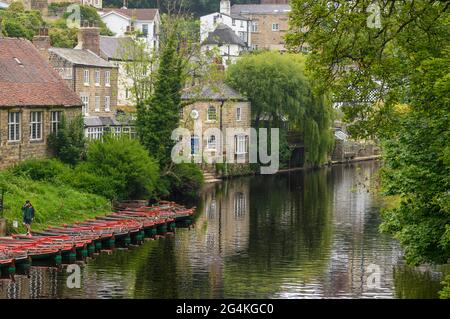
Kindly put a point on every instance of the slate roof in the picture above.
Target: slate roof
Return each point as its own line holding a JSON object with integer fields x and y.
{"x": 260, "y": 9}
{"x": 101, "y": 121}
{"x": 138, "y": 14}
{"x": 27, "y": 79}
{"x": 220, "y": 92}
{"x": 81, "y": 57}
{"x": 117, "y": 48}
{"x": 223, "y": 34}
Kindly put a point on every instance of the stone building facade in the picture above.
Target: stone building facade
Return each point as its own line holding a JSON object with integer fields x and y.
{"x": 213, "y": 112}
{"x": 33, "y": 100}
{"x": 269, "y": 24}
{"x": 94, "y": 80}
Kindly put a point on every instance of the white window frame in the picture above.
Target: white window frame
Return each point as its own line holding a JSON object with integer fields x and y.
{"x": 148, "y": 29}
{"x": 14, "y": 126}
{"x": 97, "y": 77}
{"x": 85, "y": 100}
{"x": 107, "y": 78}
{"x": 94, "y": 132}
{"x": 86, "y": 78}
{"x": 97, "y": 103}
{"x": 36, "y": 118}
{"x": 275, "y": 27}
{"x": 208, "y": 114}
{"x": 212, "y": 143}
{"x": 107, "y": 103}
{"x": 55, "y": 121}
{"x": 238, "y": 114}
{"x": 255, "y": 26}
{"x": 240, "y": 146}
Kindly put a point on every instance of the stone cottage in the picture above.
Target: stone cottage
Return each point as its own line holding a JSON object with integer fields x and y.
{"x": 215, "y": 110}
{"x": 33, "y": 99}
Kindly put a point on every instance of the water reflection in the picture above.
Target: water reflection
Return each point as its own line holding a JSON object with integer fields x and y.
{"x": 302, "y": 235}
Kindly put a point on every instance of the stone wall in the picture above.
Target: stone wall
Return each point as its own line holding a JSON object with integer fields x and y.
{"x": 265, "y": 37}
{"x": 102, "y": 90}
{"x": 14, "y": 152}
{"x": 226, "y": 117}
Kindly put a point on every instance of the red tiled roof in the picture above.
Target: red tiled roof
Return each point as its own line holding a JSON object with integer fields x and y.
{"x": 27, "y": 79}
{"x": 139, "y": 14}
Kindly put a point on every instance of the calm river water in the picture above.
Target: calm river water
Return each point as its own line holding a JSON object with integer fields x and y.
{"x": 311, "y": 234}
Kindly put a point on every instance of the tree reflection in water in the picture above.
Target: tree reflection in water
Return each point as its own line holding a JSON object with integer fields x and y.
{"x": 306, "y": 234}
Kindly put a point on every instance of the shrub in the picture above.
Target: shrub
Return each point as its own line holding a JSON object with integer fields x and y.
{"x": 185, "y": 179}
{"x": 69, "y": 143}
{"x": 42, "y": 170}
{"x": 125, "y": 163}
{"x": 445, "y": 293}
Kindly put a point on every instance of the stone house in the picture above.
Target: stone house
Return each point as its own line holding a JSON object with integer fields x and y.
{"x": 33, "y": 100}
{"x": 268, "y": 26}
{"x": 94, "y": 80}
{"x": 216, "y": 110}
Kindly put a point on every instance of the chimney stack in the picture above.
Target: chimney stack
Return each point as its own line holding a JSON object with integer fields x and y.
{"x": 225, "y": 7}
{"x": 42, "y": 42}
{"x": 125, "y": 4}
{"x": 89, "y": 37}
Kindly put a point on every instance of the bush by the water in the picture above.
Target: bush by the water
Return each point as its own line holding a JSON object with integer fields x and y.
{"x": 115, "y": 168}
{"x": 123, "y": 163}
{"x": 184, "y": 180}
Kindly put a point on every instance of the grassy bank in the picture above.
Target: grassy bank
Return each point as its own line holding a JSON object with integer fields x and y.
{"x": 55, "y": 204}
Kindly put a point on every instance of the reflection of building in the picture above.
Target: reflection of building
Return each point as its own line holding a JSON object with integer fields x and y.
{"x": 228, "y": 218}
{"x": 353, "y": 254}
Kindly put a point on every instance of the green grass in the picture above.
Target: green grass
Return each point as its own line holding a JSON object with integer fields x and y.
{"x": 54, "y": 204}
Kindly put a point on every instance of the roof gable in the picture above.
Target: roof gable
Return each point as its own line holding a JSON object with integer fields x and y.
{"x": 81, "y": 57}
{"x": 138, "y": 14}
{"x": 223, "y": 34}
{"x": 27, "y": 79}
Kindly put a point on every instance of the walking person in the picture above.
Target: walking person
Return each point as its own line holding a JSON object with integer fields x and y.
{"x": 28, "y": 216}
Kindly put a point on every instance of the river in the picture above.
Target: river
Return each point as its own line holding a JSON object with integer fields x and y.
{"x": 308, "y": 234}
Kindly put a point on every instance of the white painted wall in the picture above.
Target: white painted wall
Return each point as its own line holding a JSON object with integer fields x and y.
{"x": 230, "y": 53}
{"x": 118, "y": 24}
{"x": 207, "y": 25}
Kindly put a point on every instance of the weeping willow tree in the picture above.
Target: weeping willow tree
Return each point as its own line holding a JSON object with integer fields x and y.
{"x": 280, "y": 90}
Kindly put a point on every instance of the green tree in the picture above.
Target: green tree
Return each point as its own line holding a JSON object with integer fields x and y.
{"x": 394, "y": 78}
{"x": 68, "y": 143}
{"x": 121, "y": 166}
{"x": 20, "y": 23}
{"x": 159, "y": 115}
{"x": 278, "y": 88}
